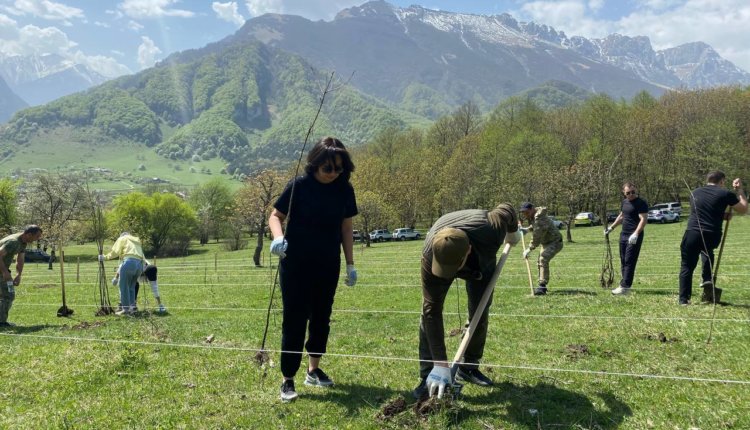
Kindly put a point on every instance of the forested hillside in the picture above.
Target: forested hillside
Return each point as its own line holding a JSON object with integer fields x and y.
{"x": 246, "y": 103}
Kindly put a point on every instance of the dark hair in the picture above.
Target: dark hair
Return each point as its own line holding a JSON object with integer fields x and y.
{"x": 326, "y": 150}
{"x": 715, "y": 177}
{"x": 32, "y": 229}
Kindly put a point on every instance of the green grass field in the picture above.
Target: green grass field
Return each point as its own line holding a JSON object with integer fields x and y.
{"x": 69, "y": 152}
{"x": 577, "y": 358}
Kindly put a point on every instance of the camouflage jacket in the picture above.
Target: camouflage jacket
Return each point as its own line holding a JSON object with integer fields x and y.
{"x": 544, "y": 231}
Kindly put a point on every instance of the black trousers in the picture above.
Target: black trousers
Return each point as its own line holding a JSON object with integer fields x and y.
{"x": 431, "y": 329}
{"x": 307, "y": 292}
{"x": 150, "y": 273}
{"x": 691, "y": 248}
{"x": 629, "y": 258}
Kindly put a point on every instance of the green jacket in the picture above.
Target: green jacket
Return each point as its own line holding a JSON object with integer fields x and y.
{"x": 12, "y": 245}
{"x": 544, "y": 231}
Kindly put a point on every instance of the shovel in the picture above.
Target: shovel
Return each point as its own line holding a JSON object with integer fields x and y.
{"x": 458, "y": 358}
{"x": 64, "y": 311}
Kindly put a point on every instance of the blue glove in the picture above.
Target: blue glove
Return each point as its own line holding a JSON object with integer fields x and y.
{"x": 438, "y": 379}
{"x": 278, "y": 247}
{"x": 633, "y": 239}
{"x": 351, "y": 275}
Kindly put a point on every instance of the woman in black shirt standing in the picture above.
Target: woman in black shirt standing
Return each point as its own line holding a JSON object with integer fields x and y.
{"x": 318, "y": 208}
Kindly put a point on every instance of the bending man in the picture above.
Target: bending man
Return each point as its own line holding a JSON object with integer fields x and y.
{"x": 546, "y": 235}
{"x": 10, "y": 247}
{"x": 462, "y": 245}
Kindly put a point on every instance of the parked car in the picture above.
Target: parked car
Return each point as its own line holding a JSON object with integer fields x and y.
{"x": 357, "y": 236}
{"x": 662, "y": 216}
{"x": 406, "y": 233}
{"x": 557, "y": 223}
{"x": 587, "y": 218}
{"x": 672, "y": 206}
{"x": 35, "y": 256}
{"x": 612, "y": 216}
{"x": 380, "y": 235}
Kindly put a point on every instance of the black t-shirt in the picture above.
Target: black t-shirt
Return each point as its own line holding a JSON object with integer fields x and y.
{"x": 313, "y": 228}
{"x": 630, "y": 211}
{"x": 709, "y": 203}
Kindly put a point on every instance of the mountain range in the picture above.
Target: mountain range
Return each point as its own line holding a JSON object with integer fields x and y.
{"x": 452, "y": 57}
{"x": 39, "y": 79}
{"x": 9, "y": 102}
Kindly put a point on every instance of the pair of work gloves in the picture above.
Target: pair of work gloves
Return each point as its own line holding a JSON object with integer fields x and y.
{"x": 278, "y": 248}
{"x": 632, "y": 240}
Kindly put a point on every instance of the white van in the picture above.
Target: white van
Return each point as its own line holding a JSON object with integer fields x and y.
{"x": 672, "y": 206}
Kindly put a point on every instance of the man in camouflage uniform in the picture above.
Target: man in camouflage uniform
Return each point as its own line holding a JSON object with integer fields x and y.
{"x": 544, "y": 234}
{"x": 12, "y": 246}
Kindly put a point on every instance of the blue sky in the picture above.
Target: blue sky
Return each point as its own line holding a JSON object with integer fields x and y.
{"x": 124, "y": 36}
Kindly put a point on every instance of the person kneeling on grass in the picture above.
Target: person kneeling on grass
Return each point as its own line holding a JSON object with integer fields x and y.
{"x": 148, "y": 275}
{"x": 464, "y": 245}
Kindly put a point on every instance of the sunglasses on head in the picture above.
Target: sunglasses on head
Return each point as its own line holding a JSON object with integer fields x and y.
{"x": 327, "y": 168}
{"x": 630, "y": 193}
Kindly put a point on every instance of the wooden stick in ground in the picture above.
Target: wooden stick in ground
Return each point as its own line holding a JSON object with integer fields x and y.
{"x": 528, "y": 267}
{"x": 458, "y": 358}
{"x": 63, "y": 311}
{"x": 721, "y": 248}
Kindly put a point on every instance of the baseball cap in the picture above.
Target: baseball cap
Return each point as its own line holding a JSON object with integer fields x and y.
{"x": 449, "y": 248}
{"x": 526, "y": 206}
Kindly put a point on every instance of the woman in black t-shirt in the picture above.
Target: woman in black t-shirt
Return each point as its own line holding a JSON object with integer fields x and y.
{"x": 318, "y": 208}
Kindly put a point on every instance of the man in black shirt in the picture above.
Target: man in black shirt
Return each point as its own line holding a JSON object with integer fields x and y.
{"x": 703, "y": 233}
{"x": 633, "y": 217}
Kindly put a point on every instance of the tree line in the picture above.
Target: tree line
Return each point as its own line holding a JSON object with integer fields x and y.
{"x": 570, "y": 159}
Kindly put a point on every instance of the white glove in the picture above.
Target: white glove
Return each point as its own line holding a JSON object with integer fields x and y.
{"x": 351, "y": 275}
{"x": 513, "y": 238}
{"x": 115, "y": 280}
{"x": 278, "y": 247}
{"x": 526, "y": 252}
{"x": 607, "y": 231}
{"x": 438, "y": 379}
{"x": 633, "y": 239}
{"x": 101, "y": 258}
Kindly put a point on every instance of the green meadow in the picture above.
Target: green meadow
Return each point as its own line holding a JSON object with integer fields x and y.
{"x": 577, "y": 358}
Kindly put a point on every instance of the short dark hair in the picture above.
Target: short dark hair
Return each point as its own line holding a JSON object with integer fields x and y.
{"x": 715, "y": 177}
{"x": 326, "y": 150}
{"x": 32, "y": 229}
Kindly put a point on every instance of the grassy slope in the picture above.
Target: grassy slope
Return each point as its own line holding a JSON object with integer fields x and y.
{"x": 176, "y": 380}
{"x": 68, "y": 152}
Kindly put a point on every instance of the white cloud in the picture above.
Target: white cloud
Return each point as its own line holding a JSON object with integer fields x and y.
{"x": 152, "y": 9}
{"x": 147, "y": 52}
{"x": 47, "y": 9}
{"x": 105, "y": 66}
{"x": 33, "y": 40}
{"x": 570, "y": 16}
{"x": 8, "y": 28}
{"x": 228, "y": 12}
{"x": 101, "y": 24}
{"x": 311, "y": 9}
{"x": 118, "y": 53}
{"x": 134, "y": 26}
